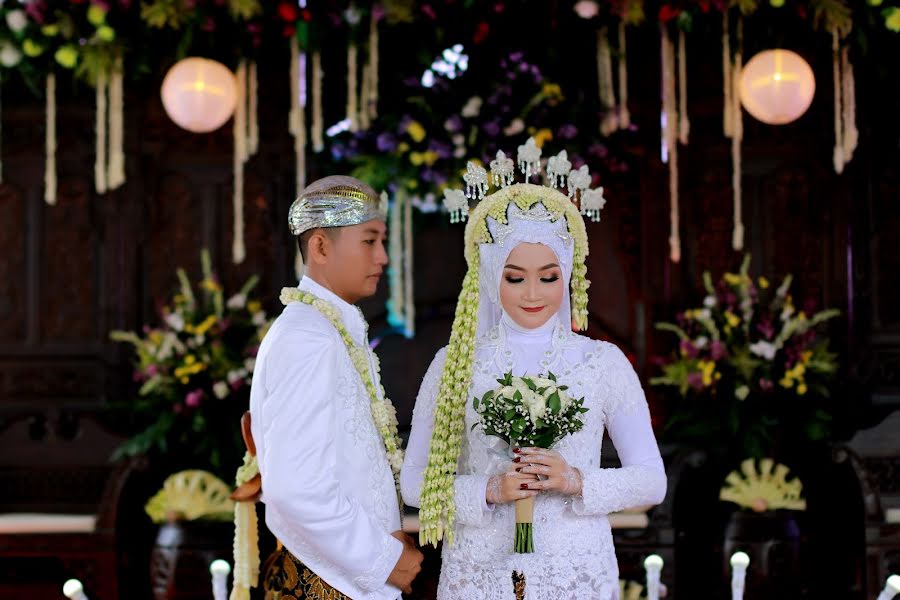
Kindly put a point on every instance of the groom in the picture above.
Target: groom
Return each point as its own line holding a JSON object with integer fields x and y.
{"x": 326, "y": 482}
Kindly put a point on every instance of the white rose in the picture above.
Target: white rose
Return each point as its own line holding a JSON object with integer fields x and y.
{"x": 9, "y": 55}
{"x": 220, "y": 389}
{"x": 237, "y": 302}
{"x": 17, "y": 20}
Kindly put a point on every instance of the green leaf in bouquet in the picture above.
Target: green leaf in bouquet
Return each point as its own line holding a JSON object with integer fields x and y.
{"x": 531, "y": 385}
{"x": 518, "y": 425}
{"x": 475, "y": 403}
{"x": 554, "y": 403}
{"x": 551, "y": 377}
{"x": 517, "y": 395}
{"x": 509, "y": 414}
{"x": 674, "y": 329}
{"x": 744, "y": 362}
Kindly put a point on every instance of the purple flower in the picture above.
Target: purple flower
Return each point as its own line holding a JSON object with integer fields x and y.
{"x": 36, "y": 9}
{"x": 688, "y": 349}
{"x": 442, "y": 149}
{"x": 151, "y": 371}
{"x": 193, "y": 398}
{"x": 453, "y": 124}
{"x": 765, "y": 385}
{"x": 717, "y": 350}
{"x": 492, "y": 128}
{"x": 765, "y": 328}
{"x": 386, "y": 142}
{"x": 695, "y": 380}
{"x": 567, "y": 132}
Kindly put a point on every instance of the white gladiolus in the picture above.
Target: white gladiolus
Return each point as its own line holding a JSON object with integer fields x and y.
{"x": 709, "y": 301}
{"x": 175, "y": 321}
{"x": 237, "y": 302}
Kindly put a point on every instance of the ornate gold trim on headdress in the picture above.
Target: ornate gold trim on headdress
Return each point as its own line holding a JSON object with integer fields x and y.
{"x": 335, "y": 201}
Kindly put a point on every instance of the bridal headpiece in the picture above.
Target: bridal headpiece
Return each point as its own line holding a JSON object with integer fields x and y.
{"x": 510, "y": 207}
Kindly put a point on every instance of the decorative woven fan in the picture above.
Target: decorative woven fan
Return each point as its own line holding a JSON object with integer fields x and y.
{"x": 763, "y": 489}
{"x": 191, "y": 495}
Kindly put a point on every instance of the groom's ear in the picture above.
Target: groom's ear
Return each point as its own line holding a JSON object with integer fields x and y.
{"x": 319, "y": 245}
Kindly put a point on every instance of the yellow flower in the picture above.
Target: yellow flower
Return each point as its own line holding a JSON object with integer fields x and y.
{"x": 786, "y": 382}
{"x": 32, "y": 48}
{"x": 892, "y": 19}
{"x": 67, "y": 56}
{"x": 733, "y": 319}
{"x": 415, "y": 131}
{"x": 543, "y": 135}
{"x": 732, "y": 278}
{"x": 190, "y": 359}
{"x": 801, "y": 389}
{"x": 707, "y": 369}
{"x": 211, "y": 284}
{"x": 805, "y": 356}
{"x": 50, "y": 30}
{"x": 203, "y": 327}
{"x": 254, "y": 306}
{"x": 402, "y": 147}
{"x": 106, "y": 33}
{"x": 96, "y": 15}
{"x": 763, "y": 283}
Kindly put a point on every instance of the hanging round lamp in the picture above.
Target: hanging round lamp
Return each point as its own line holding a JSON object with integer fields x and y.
{"x": 777, "y": 86}
{"x": 199, "y": 94}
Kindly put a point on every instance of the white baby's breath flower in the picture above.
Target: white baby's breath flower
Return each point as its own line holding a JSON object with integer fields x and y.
{"x": 220, "y": 389}
{"x": 237, "y": 302}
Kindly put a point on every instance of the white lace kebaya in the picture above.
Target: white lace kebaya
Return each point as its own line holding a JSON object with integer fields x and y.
{"x": 574, "y": 555}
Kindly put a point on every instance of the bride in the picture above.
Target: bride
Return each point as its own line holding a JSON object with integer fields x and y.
{"x": 525, "y": 247}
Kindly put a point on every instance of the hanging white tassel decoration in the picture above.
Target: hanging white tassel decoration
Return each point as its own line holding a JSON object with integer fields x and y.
{"x": 318, "y": 142}
{"x": 684, "y": 124}
{"x": 851, "y": 133}
{"x": 610, "y": 120}
{"x": 408, "y": 302}
{"x": 727, "y": 82}
{"x": 50, "y": 143}
{"x": 297, "y": 127}
{"x": 373, "y": 67}
{"x": 252, "y": 111}
{"x": 737, "y": 136}
{"x": 670, "y": 140}
{"x": 838, "y": 157}
{"x": 364, "y": 98}
{"x": 100, "y": 132}
{"x": 238, "y": 251}
{"x": 115, "y": 174}
{"x": 396, "y": 308}
{"x": 624, "y": 113}
{"x": 352, "y": 109}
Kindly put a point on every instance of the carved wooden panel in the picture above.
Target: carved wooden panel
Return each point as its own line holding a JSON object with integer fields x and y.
{"x": 174, "y": 238}
{"x": 13, "y": 225}
{"x": 69, "y": 293}
{"x": 260, "y": 239}
{"x": 42, "y": 378}
{"x": 886, "y": 250}
{"x": 707, "y": 215}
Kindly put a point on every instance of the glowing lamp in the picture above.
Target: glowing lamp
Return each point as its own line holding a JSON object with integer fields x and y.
{"x": 777, "y": 86}
{"x": 199, "y": 94}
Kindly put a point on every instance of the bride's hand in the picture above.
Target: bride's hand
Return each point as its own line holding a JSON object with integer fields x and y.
{"x": 560, "y": 476}
{"x": 510, "y": 486}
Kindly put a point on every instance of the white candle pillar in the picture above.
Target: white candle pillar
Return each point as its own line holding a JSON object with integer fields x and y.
{"x": 739, "y": 562}
{"x": 73, "y": 590}
{"x": 653, "y": 565}
{"x": 219, "y": 569}
{"x": 891, "y": 588}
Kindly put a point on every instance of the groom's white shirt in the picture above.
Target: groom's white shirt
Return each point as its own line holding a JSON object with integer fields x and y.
{"x": 327, "y": 485}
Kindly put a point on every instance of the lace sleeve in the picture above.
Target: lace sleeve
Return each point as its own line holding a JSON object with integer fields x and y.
{"x": 416, "y": 459}
{"x": 641, "y": 480}
{"x": 469, "y": 490}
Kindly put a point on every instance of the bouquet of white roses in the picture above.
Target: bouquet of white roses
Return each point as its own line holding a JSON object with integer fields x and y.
{"x": 534, "y": 412}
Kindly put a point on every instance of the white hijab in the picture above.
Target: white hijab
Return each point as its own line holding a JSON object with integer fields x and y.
{"x": 534, "y": 226}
